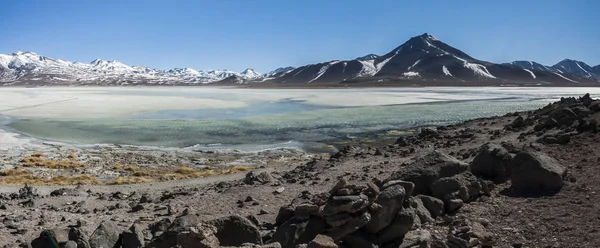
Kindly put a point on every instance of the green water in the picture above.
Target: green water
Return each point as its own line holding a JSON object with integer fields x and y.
{"x": 316, "y": 127}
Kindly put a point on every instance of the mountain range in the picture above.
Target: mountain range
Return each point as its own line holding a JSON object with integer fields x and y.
{"x": 422, "y": 60}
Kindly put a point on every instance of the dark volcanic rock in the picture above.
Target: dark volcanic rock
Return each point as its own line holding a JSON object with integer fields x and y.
{"x": 134, "y": 237}
{"x": 434, "y": 205}
{"x": 535, "y": 171}
{"x": 464, "y": 186}
{"x": 427, "y": 170}
{"x": 235, "y": 230}
{"x": 390, "y": 199}
{"x": 294, "y": 232}
{"x": 400, "y": 225}
{"x": 492, "y": 162}
{"x": 106, "y": 235}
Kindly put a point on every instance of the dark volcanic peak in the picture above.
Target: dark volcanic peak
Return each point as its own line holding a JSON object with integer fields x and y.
{"x": 424, "y": 58}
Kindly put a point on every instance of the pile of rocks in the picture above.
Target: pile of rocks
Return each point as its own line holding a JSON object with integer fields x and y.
{"x": 185, "y": 231}
{"x": 391, "y": 212}
{"x": 557, "y": 122}
{"x": 397, "y": 211}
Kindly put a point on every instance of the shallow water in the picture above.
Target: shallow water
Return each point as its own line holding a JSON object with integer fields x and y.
{"x": 287, "y": 117}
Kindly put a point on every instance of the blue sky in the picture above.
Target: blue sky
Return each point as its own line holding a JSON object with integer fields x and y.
{"x": 264, "y": 35}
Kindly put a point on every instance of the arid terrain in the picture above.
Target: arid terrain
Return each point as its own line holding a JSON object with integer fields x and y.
{"x": 521, "y": 180}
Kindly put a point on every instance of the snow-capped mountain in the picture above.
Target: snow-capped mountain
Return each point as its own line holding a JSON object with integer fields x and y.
{"x": 566, "y": 66}
{"x": 29, "y": 68}
{"x": 532, "y": 65}
{"x": 420, "y": 59}
{"x": 368, "y": 57}
{"x": 577, "y": 68}
{"x": 277, "y": 71}
{"x": 250, "y": 74}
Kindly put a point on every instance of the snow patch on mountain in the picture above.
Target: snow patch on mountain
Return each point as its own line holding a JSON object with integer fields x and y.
{"x": 382, "y": 63}
{"x": 446, "y": 71}
{"x": 368, "y": 68}
{"x": 323, "y": 70}
{"x": 566, "y": 78}
{"x": 479, "y": 70}
{"x": 410, "y": 74}
{"x": 530, "y": 72}
{"x": 413, "y": 65}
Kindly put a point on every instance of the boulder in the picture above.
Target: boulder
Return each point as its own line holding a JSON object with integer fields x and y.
{"x": 401, "y": 224}
{"x": 260, "y": 178}
{"x": 187, "y": 231}
{"x": 322, "y": 241}
{"x": 416, "y": 239}
{"x": 235, "y": 230}
{"x": 427, "y": 170}
{"x": 77, "y": 235}
{"x": 492, "y": 162}
{"x": 346, "y": 203}
{"x": 200, "y": 236}
{"x": 464, "y": 186}
{"x": 434, "y": 205}
{"x": 160, "y": 226}
{"x": 390, "y": 199}
{"x": 359, "y": 239}
{"x": 106, "y": 235}
{"x": 555, "y": 138}
{"x": 534, "y": 171}
{"x": 48, "y": 238}
{"x": 134, "y": 237}
{"x": 519, "y": 122}
{"x": 595, "y": 106}
{"x": 352, "y": 224}
{"x": 421, "y": 210}
{"x": 428, "y": 132}
{"x": 69, "y": 244}
{"x": 294, "y": 232}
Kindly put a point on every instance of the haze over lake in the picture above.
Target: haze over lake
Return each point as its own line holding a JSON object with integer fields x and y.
{"x": 208, "y": 117}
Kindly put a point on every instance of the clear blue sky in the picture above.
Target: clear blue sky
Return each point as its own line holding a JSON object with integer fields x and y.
{"x": 264, "y": 35}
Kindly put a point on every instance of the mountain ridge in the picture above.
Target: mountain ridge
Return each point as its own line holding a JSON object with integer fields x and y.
{"x": 422, "y": 59}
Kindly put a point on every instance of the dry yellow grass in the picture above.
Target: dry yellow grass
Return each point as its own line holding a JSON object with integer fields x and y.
{"x": 117, "y": 167}
{"x": 130, "y": 180}
{"x": 184, "y": 172}
{"x": 22, "y": 177}
{"x": 36, "y": 160}
{"x": 72, "y": 156}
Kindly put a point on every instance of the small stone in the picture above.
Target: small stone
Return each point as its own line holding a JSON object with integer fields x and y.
{"x": 322, "y": 241}
{"x": 262, "y": 212}
{"x": 137, "y": 208}
{"x": 279, "y": 190}
{"x": 454, "y": 204}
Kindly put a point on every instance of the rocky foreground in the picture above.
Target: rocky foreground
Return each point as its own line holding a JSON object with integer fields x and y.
{"x": 521, "y": 180}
